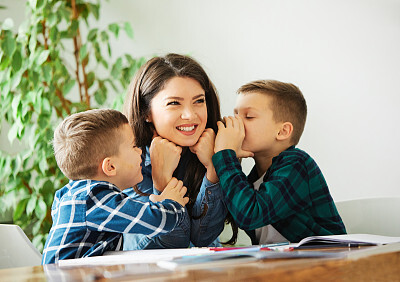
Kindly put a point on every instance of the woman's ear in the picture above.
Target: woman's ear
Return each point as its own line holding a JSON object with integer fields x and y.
{"x": 285, "y": 131}
{"x": 108, "y": 167}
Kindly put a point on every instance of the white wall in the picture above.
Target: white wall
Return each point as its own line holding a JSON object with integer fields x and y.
{"x": 344, "y": 56}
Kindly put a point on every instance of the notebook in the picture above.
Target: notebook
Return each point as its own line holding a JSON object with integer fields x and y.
{"x": 350, "y": 240}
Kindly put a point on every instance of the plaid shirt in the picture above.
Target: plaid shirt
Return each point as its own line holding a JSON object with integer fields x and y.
{"x": 89, "y": 218}
{"x": 293, "y": 197}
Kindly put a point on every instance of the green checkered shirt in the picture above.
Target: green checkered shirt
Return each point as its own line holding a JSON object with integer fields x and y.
{"x": 293, "y": 197}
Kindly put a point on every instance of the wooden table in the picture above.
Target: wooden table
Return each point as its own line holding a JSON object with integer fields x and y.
{"x": 378, "y": 263}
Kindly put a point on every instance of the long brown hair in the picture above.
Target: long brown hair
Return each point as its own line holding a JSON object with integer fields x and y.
{"x": 147, "y": 83}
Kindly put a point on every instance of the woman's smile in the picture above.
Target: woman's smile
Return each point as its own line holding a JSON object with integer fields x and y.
{"x": 187, "y": 129}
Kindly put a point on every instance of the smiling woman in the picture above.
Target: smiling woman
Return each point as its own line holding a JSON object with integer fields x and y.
{"x": 179, "y": 111}
{"x": 173, "y": 109}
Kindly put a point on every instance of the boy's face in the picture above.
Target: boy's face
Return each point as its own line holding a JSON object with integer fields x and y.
{"x": 128, "y": 160}
{"x": 179, "y": 111}
{"x": 260, "y": 128}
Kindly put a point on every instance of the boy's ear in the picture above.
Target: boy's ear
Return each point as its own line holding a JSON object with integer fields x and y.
{"x": 285, "y": 131}
{"x": 108, "y": 167}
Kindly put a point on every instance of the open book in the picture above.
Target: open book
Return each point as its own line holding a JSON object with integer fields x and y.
{"x": 219, "y": 259}
{"x": 350, "y": 240}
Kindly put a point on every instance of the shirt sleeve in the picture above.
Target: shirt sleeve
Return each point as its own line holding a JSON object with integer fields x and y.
{"x": 285, "y": 193}
{"x": 206, "y": 228}
{"x": 113, "y": 211}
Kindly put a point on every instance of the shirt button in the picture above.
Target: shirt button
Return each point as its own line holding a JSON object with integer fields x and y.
{"x": 209, "y": 192}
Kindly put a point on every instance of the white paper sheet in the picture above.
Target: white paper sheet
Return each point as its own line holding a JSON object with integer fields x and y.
{"x": 129, "y": 257}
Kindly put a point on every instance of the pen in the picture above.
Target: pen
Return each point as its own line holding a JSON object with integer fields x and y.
{"x": 275, "y": 244}
{"x": 321, "y": 246}
{"x": 239, "y": 249}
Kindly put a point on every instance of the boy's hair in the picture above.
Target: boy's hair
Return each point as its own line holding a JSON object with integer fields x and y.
{"x": 84, "y": 139}
{"x": 288, "y": 103}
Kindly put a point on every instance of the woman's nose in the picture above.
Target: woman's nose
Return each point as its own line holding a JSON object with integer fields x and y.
{"x": 188, "y": 113}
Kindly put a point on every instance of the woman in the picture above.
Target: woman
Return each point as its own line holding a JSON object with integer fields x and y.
{"x": 173, "y": 109}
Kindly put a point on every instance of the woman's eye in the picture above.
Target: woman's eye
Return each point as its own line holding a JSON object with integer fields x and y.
{"x": 200, "y": 101}
{"x": 249, "y": 117}
{"x": 173, "y": 103}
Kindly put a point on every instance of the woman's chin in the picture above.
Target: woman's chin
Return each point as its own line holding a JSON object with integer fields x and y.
{"x": 185, "y": 143}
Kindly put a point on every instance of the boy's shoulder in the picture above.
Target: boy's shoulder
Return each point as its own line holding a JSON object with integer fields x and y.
{"x": 293, "y": 153}
{"x": 79, "y": 189}
{"x": 294, "y": 156}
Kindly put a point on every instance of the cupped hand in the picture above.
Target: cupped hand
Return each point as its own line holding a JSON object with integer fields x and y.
{"x": 231, "y": 135}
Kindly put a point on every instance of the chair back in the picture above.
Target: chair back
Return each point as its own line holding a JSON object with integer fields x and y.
{"x": 16, "y": 249}
{"x": 380, "y": 216}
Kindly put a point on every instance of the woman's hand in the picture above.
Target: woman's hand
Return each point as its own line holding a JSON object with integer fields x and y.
{"x": 165, "y": 157}
{"x": 204, "y": 150}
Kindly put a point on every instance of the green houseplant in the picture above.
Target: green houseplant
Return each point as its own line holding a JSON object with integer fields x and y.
{"x": 55, "y": 65}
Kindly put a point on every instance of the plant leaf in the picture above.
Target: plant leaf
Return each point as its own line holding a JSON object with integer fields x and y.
{"x": 31, "y": 205}
{"x": 114, "y": 28}
{"x": 116, "y": 69}
{"x": 68, "y": 86}
{"x": 8, "y": 44}
{"x": 42, "y": 57}
{"x": 92, "y": 35}
{"x": 128, "y": 29}
{"x": 8, "y": 24}
{"x": 12, "y": 133}
{"x": 20, "y": 208}
{"x": 41, "y": 208}
{"x": 16, "y": 61}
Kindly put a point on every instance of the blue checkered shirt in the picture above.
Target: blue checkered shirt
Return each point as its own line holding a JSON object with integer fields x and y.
{"x": 89, "y": 218}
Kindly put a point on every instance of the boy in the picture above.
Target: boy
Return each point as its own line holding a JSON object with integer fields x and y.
{"x": 285, "y": 197}
{"x": 96, "y": 151}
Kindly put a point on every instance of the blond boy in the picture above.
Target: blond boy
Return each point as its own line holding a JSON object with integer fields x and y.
{"x": 96, "y": 150}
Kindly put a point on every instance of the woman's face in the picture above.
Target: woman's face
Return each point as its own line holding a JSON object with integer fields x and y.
{"x": 179, "y": 111}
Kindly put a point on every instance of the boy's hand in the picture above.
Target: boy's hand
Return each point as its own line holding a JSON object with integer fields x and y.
{"x": 231, "y": 136}
{"x": 204, "y": 150}
{"x": 165, "y": 157}
{"x": 174, "y": 191}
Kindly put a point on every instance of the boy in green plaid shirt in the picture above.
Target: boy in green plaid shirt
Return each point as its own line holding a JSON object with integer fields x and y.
{"x": 285, "y": 197}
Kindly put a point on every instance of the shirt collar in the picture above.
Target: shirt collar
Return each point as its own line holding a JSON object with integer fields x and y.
{"x": 147, "y": 160}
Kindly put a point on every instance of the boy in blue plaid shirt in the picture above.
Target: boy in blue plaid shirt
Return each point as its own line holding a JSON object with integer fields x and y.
{"x": 96, "y": 150}
{"x": 285, "y": 197}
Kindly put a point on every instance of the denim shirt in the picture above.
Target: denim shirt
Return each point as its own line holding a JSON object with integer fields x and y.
{"x": 200, "y": 232}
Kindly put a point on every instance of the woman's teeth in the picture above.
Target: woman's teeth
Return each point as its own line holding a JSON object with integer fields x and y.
{"x": 186, "y": 128}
